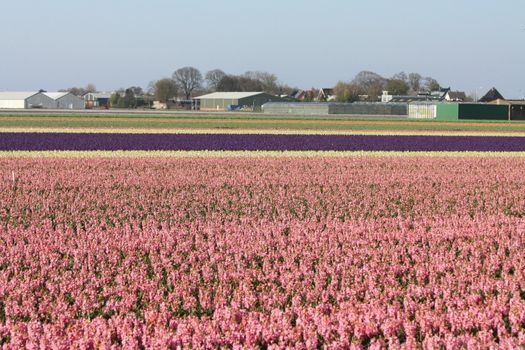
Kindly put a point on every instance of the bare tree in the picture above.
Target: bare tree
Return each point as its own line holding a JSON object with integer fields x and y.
{"x": 400, "y": 76}
{"x": 370, "y": 83}
{"x": 414, "y": 80}
{"x": 213, "y": 78}
{"x": 137, "y": 90}
{"x": 151, "y": 87}
{"x": 268, "y": 81}
{"x": 229, "y": 83}
{"x": 431, "y": 84}
{"x": 366, "y": 78}
{"x": 79, "y": 91}
{"x": 287, "y": 90}
{"x": 188, "y": 79}
{"x": 90, "y": 88}
{"x": 239, "y": 83}
{"x": 253, "y": 81}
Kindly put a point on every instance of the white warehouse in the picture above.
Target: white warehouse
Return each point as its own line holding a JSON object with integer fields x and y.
{"x": 23, "y": 100}
{"x": 66, "y": 100}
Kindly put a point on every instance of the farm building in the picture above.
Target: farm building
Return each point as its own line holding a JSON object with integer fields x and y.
{"x": 356, "y": 109}
{"x": 458, "y": 111}
{"x": 223, "y": 101}
{"x": 66, "y": 100}
{"x": 296, "y": 108}
{"x": 422, "y": 110}
{"x": 97, "y": 100}
{"x": 516, "y": 108}
{"x": 24, "y": 100}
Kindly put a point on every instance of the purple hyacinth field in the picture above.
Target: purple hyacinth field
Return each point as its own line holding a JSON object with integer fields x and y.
{"x": 255, "y": 142}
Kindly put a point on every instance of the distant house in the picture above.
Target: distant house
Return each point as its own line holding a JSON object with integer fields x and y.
{"x": 305, "y": 95}
{"x": 326, "y": 95}
{"x": 25, "y": 100}
{"x": 97, "y": 100}
{"x": 456, "y": 96}
{"x": 492, "y": 95}
{"x": 66, "y": 100}
{"x": 435, "y": 96}
{"x": 223, "y": 101}
{"x": 439, "y": 95}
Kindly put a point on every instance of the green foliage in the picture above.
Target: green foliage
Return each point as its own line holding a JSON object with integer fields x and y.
{"x": 114, "y": 100}
{"x": 397, "y": 87}
{"x": 346, "y": 92}
{"x": 165, "y": 89}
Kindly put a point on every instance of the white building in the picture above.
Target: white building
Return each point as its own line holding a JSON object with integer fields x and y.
{"x": 386, "y": 97}
{"x": 66, "y": 100}
{"x": 24, "y": 100}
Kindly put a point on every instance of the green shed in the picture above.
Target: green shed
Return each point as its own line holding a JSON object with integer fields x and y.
{"x": 222, "y": 101}
{"x": 447, "y": 111}
{"x": 471, "y": 111}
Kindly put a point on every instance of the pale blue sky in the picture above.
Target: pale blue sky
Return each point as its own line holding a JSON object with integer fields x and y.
{"x": 471, "y": 45}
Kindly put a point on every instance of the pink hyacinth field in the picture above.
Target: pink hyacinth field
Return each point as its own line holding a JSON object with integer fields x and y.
{"x": 262, "y": 252}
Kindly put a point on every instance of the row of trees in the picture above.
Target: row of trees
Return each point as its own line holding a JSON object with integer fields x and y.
{"x": 371, "y": 85}
{"x": 131, "y": 97}
{"x": 187, "y": 81}
{"x": 80, "y": 91}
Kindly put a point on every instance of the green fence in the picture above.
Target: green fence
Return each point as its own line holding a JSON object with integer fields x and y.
{"x": 483, "y": 112}
{"x": 471, "y": 111}
{"x": 448, "y": 111}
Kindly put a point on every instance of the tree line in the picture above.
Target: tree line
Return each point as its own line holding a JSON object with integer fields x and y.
{"x": 187, "y": 82}
{"x": 369, "y": 86}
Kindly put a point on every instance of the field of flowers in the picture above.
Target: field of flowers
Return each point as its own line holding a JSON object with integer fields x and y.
{"x": 351, "y": 252}
{"x": 39, "y": 141}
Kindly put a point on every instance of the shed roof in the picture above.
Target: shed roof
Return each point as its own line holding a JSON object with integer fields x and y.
{"x": 507, "y": 102}
{"x": 97, "y": 95}
{"x": 228, "y": 95}
{"x": 422, "y": 98}
{"x": 56, "y": 95}
{"x": 492, "y": 95}
{"x": 457, "y": 95}
{"x": 17, "y": 95}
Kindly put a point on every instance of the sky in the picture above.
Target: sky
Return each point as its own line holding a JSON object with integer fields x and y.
{"x": 470, "y": 45}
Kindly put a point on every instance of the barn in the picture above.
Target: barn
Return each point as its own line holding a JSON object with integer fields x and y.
{"x": 66, "y": 100}
{"x": 516, "y": 108}
{"x": 24, "y": 100}
{"x": 223, "y": 101}
{"x": 97, "y": 100}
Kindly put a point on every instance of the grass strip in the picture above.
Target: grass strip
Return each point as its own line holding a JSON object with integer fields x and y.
{"x": 259, "y": 131}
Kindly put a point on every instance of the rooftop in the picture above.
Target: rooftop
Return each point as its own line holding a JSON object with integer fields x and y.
{"x": 99, "y": 94}
{"x": 56, "y": 95}
{"x": 492, "y": 95}
{"x": 17, "y": 95}
{"x": 228, "y": 95}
